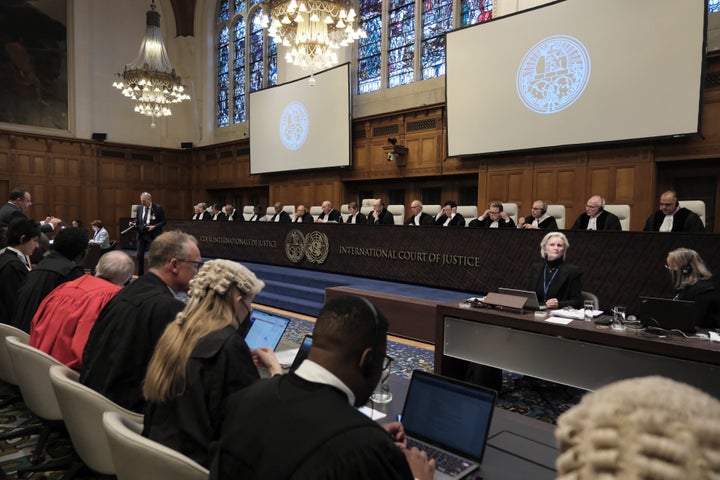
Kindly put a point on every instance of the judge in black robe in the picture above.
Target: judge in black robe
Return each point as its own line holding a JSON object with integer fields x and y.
{"x": 12, "y": 274}
{"x": 605, "y": 221}
{"x": 684, "y": 220}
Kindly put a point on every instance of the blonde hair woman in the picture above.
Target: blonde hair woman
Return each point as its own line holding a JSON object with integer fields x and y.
{"x": 650, "y": 427}
{"x": 201, "y": 358}
{"x": 557, "y": 284}
{"x": 692, "y": 281}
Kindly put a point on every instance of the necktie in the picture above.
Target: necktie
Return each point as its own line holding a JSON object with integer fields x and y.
{"x": 147, "y": 216}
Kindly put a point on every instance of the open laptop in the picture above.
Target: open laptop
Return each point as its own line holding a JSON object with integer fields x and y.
{"x": 531, "y": 303}
{"x": 668, "y": 314}
{"x": 449, "y": 420}
{"x": 266, "y": 329}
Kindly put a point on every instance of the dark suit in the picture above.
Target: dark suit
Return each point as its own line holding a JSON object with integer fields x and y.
{"x": 360, "y": 219}
{"x": 457, "y": 221}
{"x": 145, "y": 236}
{"x": 605, "y": 221}
{"x": 307, "y": 218}
{"x": 486, "y": 222}
{"x": 548, "y": 224}
{"x": 10, "y": 212}
{"x": 565, "y": 284}
{"x": 384, "y": 218}
{"x": 425, "y": 219}
{"x": 684, "y": 221}
{"x": 333, "y": 216}
{"x": 284, "y": 217}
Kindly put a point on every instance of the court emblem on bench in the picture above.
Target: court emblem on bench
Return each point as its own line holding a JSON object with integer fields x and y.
{"x": 314, "y": 246}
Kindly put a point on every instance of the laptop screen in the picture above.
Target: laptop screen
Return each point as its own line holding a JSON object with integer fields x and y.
{"x": 266, "y": 329}
{"x": 448, "y": 413}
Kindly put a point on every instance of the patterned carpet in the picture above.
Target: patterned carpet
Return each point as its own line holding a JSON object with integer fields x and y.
{"x": 527, "y": 396}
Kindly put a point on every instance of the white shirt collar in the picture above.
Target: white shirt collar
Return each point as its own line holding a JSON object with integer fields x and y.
{"x": 21, "y": 256}
{"x": 312, "y": 372}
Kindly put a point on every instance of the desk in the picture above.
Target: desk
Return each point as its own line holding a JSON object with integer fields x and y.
{"x": 579, "y": 354}
{"x": 519, "y": 447}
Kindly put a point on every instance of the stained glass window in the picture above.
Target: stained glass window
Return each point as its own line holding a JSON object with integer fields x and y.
{"x": 256, "y": 54}
{"x": 223, "y": 82}
{"x": 437, "y": 19}
{"x": 713, "y": 6}
{"x": 223, "y": 11}
{"x": 475, "y": 11}
{"x": 401, "y": 41}
{"x": 369, "y": 49}
{"x": 272, "y": 63}
{"x": 240, "y": 6}
{"x": 239, "y": 70}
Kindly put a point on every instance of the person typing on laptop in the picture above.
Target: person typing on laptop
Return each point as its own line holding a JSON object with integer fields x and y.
{"x": 692, "y": 281}
{"x": 303, "y": 425}
{"x": 202, "y": 358}
{"x": 557, "y": 284}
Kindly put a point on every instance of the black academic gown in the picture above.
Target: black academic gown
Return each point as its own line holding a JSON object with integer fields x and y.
{"x": 486, "y": 222}
{"x": 54, "y": 270}
{"x": 384, "y": 218}
{"x": 12, "y": 274}
{"x": 220, "y": 364}
{"x": 360, "y": 219}
{"x": 284, "y": 217}
{"x": 333, "y": 216}
{"x": 605, "y": 221}
{"x": 456, "y": 221}
{"x": 684, "y": 221}
{"x": 425, "y": 219}
{"x": 707, "y": 302}
{"x": 566, "y": 285}
{"x": 289, "y": 428}
{"x": 548, "y": 224}
{"x": 123, "y": 338}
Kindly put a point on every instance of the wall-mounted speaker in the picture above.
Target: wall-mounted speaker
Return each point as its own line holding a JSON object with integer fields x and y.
{"x": 186, "y": 145}
{"x": 100, "y": 137}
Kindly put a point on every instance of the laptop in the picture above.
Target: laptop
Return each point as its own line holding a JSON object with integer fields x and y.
{"x": 449, "y": 420}
{"x": 531, "y": 303}
{"x": 668, "y": 314}
{"x": 266, "y": 329}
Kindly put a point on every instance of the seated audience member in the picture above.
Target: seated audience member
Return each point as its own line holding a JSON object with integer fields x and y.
{"x": 217, "y": 214}
{"x": 233, "y": 214}
{"x": 493, "y": 217}
{"x": 124, "y": 336}
{"x": 329, "y": 214}
{"x": 201, "y": 359}
{"x": 538, "y": 218}
{"x": 692, "y": 281}
{"x": 449, "y": 216}
{"x": 257, "y": 214}
{"x": 304, "y": 424}
{"x": 77, "y": 223}
{"x": 302, "y": 215}
{"x": 61, "y": 265}
{"x": 22, "y": 240}
{"x": 672, "y": 217}
{"x": 355, "y": 217}
{"x": 649, "y": 427}
{"x": 419, "y": 217}
{"x": 557, "y": 284}
{"x": 65, "y": 317}
{"x": 380, "y": 215}
{"x": 595, "y": 217}
{"x": 280, "y": 215}
{"x": 100, "y": 236}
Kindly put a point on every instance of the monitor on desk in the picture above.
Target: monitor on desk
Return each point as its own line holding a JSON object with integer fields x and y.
{"x": 668, "y": 314}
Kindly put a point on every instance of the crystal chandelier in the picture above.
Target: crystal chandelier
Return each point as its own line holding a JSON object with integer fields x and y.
{"x": 150, "y": 80}
{"x": 312, "y": 30}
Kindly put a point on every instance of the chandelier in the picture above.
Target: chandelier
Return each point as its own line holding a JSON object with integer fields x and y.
{"x": 312, "y": 30}
{"x": 150, "y": 80}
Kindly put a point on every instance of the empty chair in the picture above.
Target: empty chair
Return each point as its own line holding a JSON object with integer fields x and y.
{"x": 591, "y": 296}
{"x": 139, "y": 458}
{"x": 398, "y": 213}
{"x": 469, "y": 212}
{"x": 623, "y": 214}
{"x": 315, "y": 210}
{"x": 366, "y": 207}
{"x": 7, "y": 372}
{"x": 433, "y": 210}
{"x": 82, "y": 409}
{"x": 558, "y": 212}
{"x": 32, "y": 371}
{"x": 512, "y": 211}
{"x": 248, "y": 211}
{"x": 344, "y": 210}
{"x": 696, "y": 206}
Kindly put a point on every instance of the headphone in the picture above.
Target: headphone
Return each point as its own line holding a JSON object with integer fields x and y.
{"x": 370, "y": 363}
{"x": 686, "y": 269}
{"x": 543, "y": 207}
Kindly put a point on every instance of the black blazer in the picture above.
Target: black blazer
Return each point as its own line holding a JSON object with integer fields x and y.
{"x": 457, "y": 221}
{"x": 307, "y": 218}
{"x": 360, "y": 219}
{"x": 605, "y": 221}
{"x": 221, "y": 217}
{"x": 425, "y": 219}
{"x": 566, "y": 286}
{"x": 385, "y": 218}
{"x": 548, "y": 224}
{"x": 157, "y": 218}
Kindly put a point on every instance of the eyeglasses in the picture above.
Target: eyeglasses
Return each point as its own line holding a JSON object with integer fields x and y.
{"x": 196, "y": 265}
{"x": 592, "y": 206}
{"x": 666, "y": 204}
{"x": 387, "y": 361}
{"x": 535, "y": 208}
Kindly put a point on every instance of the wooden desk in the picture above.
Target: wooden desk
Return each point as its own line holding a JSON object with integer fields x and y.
{"x": 580, "y": 354}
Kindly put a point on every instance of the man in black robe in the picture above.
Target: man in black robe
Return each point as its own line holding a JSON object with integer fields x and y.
{"x": 61, "y": 265}
{"x": 672, "y": 217}
{"x": 596, "y": 217}
{"x": 380, "y": 215}
{"x": 124, "y": 336}
{"x": 329, "y": 214}
{"x": 303, "y": 425}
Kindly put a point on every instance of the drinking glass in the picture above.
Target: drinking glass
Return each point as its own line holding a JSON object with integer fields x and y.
{"x": 588, "y": 310}
{"x": 382, "y": 393}
{"x": 618, "y": 318}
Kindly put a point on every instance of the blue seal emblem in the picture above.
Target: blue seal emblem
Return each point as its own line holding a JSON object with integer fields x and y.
{"x": 294, "y": 125}
{"x": 553, "y": 74}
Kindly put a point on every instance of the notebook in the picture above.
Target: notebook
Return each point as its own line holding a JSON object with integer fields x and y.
{"x": 531, "y": 303}
{"x": 668, "y": 314}
{"x": 449, "y": 420}
{"x": 266, "y": 329}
